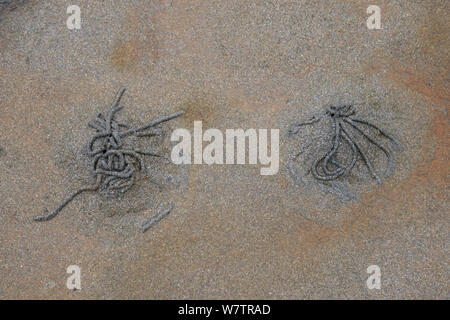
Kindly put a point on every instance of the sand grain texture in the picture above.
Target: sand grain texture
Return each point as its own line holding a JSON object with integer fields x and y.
{"x": 232, "y": 233}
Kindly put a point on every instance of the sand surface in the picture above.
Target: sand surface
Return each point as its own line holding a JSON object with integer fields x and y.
{"x": 233, "y": 233}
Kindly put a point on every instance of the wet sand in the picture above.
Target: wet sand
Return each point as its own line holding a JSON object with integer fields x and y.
{"x": 232, "y": 233}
